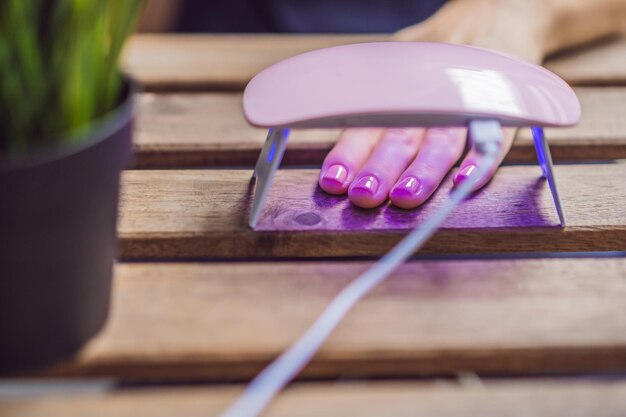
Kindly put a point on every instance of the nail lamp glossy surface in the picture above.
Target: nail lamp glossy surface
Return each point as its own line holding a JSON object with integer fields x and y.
{"x": 407, "y": 84}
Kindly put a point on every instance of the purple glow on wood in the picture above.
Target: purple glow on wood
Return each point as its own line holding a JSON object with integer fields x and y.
{"x": 519, "y": 202}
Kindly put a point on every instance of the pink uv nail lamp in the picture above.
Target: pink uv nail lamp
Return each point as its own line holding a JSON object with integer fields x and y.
{"x": 385, "y": 84}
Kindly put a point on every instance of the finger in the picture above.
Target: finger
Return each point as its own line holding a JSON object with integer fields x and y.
{"x": 393, "y": 153}
{"x": 441, "y": 148}
{"x": 469, "y": 165}
{"x": 346, "y": 158}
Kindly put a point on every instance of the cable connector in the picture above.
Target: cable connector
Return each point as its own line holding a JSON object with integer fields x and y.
{"x": 486, "y": 136}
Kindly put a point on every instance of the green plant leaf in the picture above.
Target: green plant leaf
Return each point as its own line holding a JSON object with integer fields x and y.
{"x": 59, "y": 65}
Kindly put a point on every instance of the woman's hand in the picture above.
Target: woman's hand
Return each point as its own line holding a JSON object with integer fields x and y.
{"x": 403, "y": 165}
{"x": 407, "y": 165}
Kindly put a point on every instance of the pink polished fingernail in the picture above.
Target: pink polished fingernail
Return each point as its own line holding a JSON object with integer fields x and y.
{"x": 408, "y": 187}
{"x": 335, "y": 175}
{"x": 367, "y": 185}
{"x": 464, "y": 173}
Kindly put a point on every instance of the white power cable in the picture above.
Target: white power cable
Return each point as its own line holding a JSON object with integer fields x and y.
{"x": 487, "y": 139}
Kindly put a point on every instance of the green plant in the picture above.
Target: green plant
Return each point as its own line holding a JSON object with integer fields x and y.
{"x": 59, "y": 68}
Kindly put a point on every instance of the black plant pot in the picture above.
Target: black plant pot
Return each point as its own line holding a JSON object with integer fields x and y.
{"x": 58, "y": 214}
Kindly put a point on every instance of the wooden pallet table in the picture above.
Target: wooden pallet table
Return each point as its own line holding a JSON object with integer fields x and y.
{"x": 504, "y": 314}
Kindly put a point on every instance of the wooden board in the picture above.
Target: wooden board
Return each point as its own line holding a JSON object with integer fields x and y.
{"x": 225, "y": 321}
{"x": 509, "y": 398}
{"x": 204, "y": 213}
{"x": 602, "y": 63}
{"x": 190, "y": 130}
{"x": 216, "y": 62}
{"x": 227, "y": 62}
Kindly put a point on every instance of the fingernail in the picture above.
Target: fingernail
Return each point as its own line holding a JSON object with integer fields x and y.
{"x": 335, "y": 175}
{"x": 367, "y": 184}
{"x": 406, "y": 188}
{"x": 464, "y": 173}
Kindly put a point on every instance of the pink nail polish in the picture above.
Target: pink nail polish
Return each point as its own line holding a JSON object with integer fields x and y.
{"x": 365, "y": 185}
{"x": 408, "y": 187}
{"x": 464, "y": 173}
{"x": 335, "y": 175}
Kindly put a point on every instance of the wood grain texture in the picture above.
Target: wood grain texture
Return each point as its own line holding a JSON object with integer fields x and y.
{"x": 509, "y": 398}
{"x": 216, "y": 62}
{"x": 192, "y": 130}
{"x": 225, "y": 321}
{"x": 227, "y": 62}
{"x": 602, "y": 63}
{"x": 204, "y": 213}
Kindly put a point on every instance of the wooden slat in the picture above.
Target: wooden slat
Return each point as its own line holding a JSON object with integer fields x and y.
{"x": 494, "y": 399}
{"x": 600, "y": 135}
{"x": 225, "y": 321}
{"x": 216, "y": 62}
{"x": 189, "y": 130}
{"x": 227, "y": 62}
{"x": 188, "y": 214}
{"x": 602, "y": 63}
